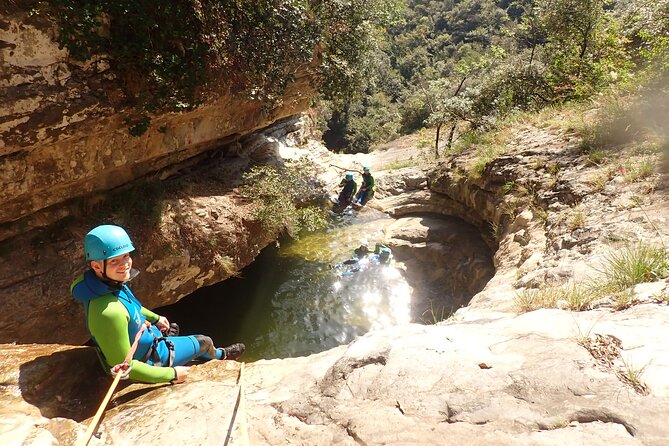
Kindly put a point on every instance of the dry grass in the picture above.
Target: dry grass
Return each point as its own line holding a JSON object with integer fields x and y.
{"x": 606, "y": 350}
{"x": 599, "y": 182}
{"x": 577, "y": 219}
{"x": 637, "y": 170}
{"x": 573, "y": 297}
{"x": 631, "y": 376}
{"x": 483, "y": 156}
{"x": 533, "y": 299}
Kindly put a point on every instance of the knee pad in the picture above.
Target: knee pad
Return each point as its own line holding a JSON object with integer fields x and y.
{"x": 205, "y": 343}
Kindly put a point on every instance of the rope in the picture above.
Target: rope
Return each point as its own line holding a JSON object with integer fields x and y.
{"x": 117, "y": 378}
{"x": 242, "y": 409}
{"x": 342, "y": 168}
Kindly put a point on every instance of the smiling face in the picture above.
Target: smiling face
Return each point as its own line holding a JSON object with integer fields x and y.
{"x": 118, "y": 268}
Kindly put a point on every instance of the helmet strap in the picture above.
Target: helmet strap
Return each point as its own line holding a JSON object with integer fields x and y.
{"x": 112, "y": 283}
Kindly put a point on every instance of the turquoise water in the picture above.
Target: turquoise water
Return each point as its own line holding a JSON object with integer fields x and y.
{"x": 289, "y": 302}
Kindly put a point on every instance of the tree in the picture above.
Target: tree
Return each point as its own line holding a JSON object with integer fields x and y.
{"x": 452, "y": 106}
{"x": 583, "y": 44}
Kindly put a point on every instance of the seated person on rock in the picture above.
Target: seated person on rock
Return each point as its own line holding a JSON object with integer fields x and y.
{"x": 348, "y": 192}
{"x": 367, "y": 188}
{"x": 114, "y": 316}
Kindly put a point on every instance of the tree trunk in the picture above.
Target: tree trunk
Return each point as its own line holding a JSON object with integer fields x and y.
{"x": 436, "y": 141}
{"x": 451, "y": 134}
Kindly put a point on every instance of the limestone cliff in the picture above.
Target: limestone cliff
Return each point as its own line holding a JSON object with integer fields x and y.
{"x": 63, "y": 129}
{"x": 64, "y": 144}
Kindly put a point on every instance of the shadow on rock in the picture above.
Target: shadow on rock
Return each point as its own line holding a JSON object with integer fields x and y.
{"x": 69, "y": 384}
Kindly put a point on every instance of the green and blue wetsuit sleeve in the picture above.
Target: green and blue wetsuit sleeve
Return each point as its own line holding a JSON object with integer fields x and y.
{"x": 108, "y": 322}
{"x": 149, "y": 315}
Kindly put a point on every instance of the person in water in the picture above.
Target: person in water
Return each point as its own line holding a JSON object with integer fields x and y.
{"x": 367, "y": 188}
{"x": 359, "y": 253}
{"x": 385, "y": 256}
{"x": 382, "y": 255}
{"x": 114, "y": 316}
{"x": 347, "y": 194}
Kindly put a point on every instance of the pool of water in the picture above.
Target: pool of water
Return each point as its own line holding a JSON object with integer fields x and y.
{"x": 290, "y": 302}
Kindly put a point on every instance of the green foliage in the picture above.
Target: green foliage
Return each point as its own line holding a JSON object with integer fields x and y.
{"x": 634, "y": 264}
{"x": 466, "y": 64}
{"x": 350, "y": 34}
{"x": 138, "y": 127}
{"x": 175, "y": 54}
{"x": 373, "y": 120}
{"x": 283, "y": 196}
{"x": 583, "y": 46}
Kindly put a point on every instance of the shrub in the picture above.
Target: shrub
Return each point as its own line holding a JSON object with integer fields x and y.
{"x": 284, "y": 197}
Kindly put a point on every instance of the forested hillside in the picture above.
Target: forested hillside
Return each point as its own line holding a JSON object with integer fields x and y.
{"x": 459, "y": 65}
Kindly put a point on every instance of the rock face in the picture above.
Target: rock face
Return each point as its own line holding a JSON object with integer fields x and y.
{"x": 63, "y": 135}
{"x": 483, "y": 379}
{"x": 446, "y": 262}
{"x": 205, "y": 232}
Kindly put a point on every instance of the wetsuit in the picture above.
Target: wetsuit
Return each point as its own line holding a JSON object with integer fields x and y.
{"x": 367, "y": 189}
{"x": 348, "y": 192}
{"x": 359, "y": 253}
{"x": 114, "y": 316}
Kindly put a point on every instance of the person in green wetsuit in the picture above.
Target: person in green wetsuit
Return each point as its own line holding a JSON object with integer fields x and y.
{"x": 361, "y": 251}
{"x": 367, "y": 188}
{"x": 114, "y": 316}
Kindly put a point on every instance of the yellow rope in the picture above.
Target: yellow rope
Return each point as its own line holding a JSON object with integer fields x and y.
{"x": 117, "y": 378}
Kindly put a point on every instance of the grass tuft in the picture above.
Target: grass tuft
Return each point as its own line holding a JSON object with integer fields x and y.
{"x": 533, "y": 299}
{"x": 572, "y": 297}
{"x": 634, "y": 264}
{"x": 577, "y": 219}
{"x": 637, "y": 171}
{"x": 400, "y": 164}
{"x": 632, "y": 376}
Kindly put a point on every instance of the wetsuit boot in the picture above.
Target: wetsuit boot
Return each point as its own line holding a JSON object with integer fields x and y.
{"x": 230, "y": 352}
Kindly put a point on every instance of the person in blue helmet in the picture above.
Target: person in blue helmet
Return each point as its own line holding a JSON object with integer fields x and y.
{"x": 114, "y": 316}
{"x": 367, "y": 188}
{"x": 349, "y": 188}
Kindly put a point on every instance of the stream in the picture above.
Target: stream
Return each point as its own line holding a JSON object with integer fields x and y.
{"x": 290, "y": 302}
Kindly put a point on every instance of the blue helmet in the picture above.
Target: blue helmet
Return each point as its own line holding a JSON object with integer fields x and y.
{"x": 349, "y": 176}
{"x": 365, "y": 169}
{"x": 106, "y": 241}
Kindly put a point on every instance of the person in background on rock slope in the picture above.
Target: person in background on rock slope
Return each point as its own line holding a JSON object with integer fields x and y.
{"x": 348, "y": 192}
{"x": 367, "y": 188}
{"x": 114, "y": 316}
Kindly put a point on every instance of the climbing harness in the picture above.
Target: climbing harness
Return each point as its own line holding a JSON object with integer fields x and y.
{"x": 119, "y": 371}
{"x": 153, "y": 355}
